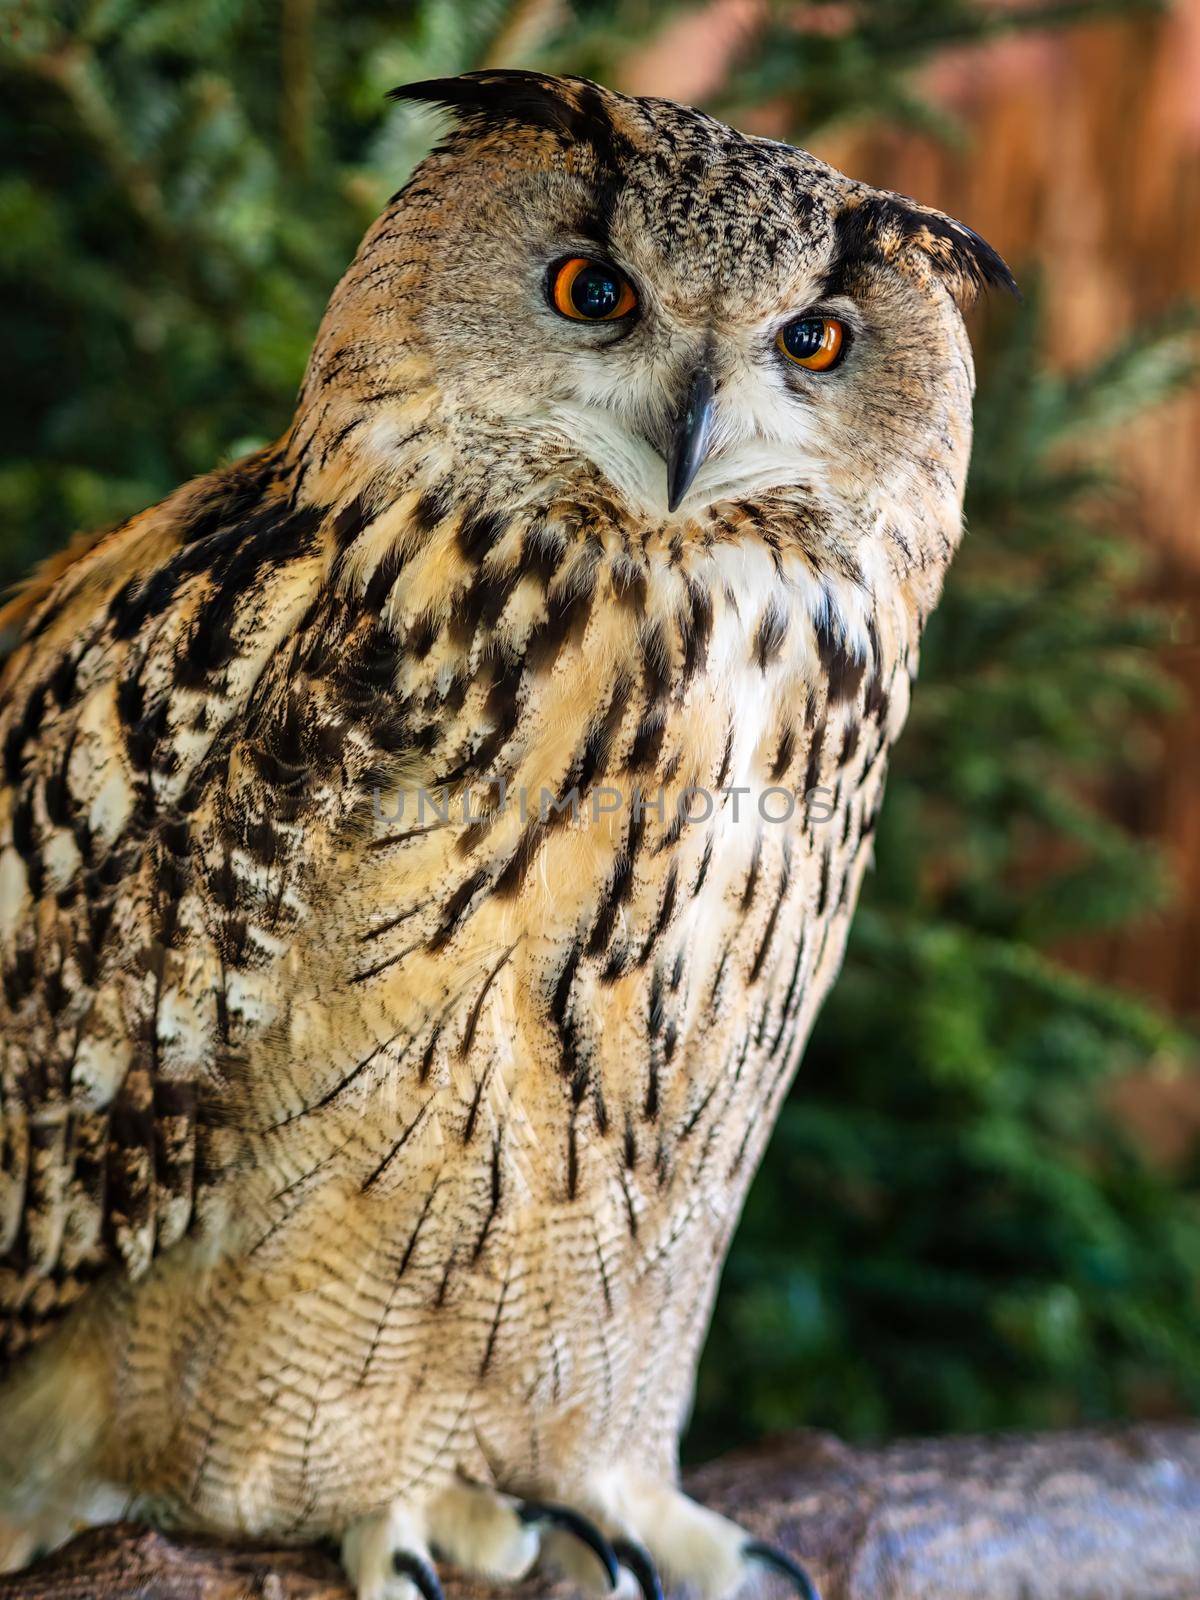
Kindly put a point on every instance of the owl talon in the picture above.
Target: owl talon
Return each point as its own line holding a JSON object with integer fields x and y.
{"x": 419, "y": 1573}
{"x": 636, "y": 1559}
{"x": 536, "y": 1513}
{"x": 776, "y": 1560}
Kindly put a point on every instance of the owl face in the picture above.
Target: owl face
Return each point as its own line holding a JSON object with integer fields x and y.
{"x": 700, "y": 315}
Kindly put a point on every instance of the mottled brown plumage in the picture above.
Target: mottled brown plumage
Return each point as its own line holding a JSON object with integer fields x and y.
{"x": 422, "y": 854}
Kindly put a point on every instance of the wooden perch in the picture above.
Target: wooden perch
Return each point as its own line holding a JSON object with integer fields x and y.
{"x": 1111, "y": 1515}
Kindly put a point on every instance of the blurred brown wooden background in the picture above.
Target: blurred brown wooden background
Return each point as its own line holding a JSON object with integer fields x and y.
{"x": 1082, "y": 157}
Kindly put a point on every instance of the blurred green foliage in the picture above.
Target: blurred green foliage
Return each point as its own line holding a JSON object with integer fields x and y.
{"x": 949, "y": 1231}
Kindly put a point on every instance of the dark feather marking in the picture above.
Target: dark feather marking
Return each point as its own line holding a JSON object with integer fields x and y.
{"x": 695, "y": 629}
{"x": 378, "y": 1172}
{"x": 487, "y": 598}
{"x": 61, "y": 681}
{"x": 542, "y": 551}
{"x": 512, "y": 876}
{"x": 494, "y": 1330}
{"x": 456, "y": 909}
{"x": 392, "y": 922}
{"x": 473, "y": 1113}
{"x": 22, "y": 733}
{"x": 352, "y": 519}
{"x": 726, "y": 760}
{"x": 25, "y": 843}
{"x": 772, "y": 631}
{"x": 705, "y": 863}
{"x": 718, "y": 979}
{"x": 752, "y": 875}
{"x": 648, "y": 740}
{"x": 666, "y": 911}
{"x": 656, "y": 662}
{"x": 844, "y": 672}
{"x": 567, "y": 613}
{"x": 412, "y": 1238}
{"x": 606, "y": 1290}
{"x": 439, "y": 1299}
{"x": 233, "y": 560}
{"x": 813, "y": 769}
{"x": 689, "y": 1126}
{"x": 428, "y": 1053}
{"x": 494, "y": 1201}
{"x": 843, "y": 894}
{"x": 383, "y": 580}
{"x": 630, "y": 1208}
{"x": 650, "y": 1105}
{"x": 419, "y": 640}
{"x": 783, "y": 755}
{"x": 629, "y": 1151}
{"x": 56, "y": 790}
{"x": 772, "y": 921}
{"x": 402, "y": 1267}
{"x": 502, "y": 709}
{"x": 432, "y": 508}
{"x": 390, "y": 839}
{"x": 572, "y": 1157}
{"x": 130, "y": 1197}
{"x": 620, "y": 886}
{"x": 875, "y": 701}
{"x": 629, "y": 585}
{"x": 339, "y": 1088}
{"x": 592, "y": 761}
{"x": 563, "y": 1017}
{"x": 656, "y": 1009}
{"x": 476, "y": 1011}
{"x": 823, "y": 888}
{"x": 477, "y": 533}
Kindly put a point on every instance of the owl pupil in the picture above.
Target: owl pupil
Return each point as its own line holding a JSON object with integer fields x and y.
{"x": 803, "y": 338}
{"x": 595, "y": 293}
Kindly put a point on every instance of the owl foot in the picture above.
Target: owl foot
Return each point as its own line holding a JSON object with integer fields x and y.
{"x": 777, "y": 1560}
{"x": 696, "y": 1547}
{"x": 391, "y": 1555}
{"x": 386, "y": 1558}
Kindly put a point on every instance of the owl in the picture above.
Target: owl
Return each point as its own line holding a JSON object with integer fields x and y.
{"x": 425, "y": 845}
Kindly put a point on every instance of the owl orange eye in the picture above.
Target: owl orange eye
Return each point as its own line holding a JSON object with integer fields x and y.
{"x": 817, "y": 343}
{"x": 590, "y": 291}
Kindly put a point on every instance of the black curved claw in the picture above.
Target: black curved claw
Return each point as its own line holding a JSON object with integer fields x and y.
{"x": 418, "y": 1570}
{"x": 769, "y": 1555}
{"x": 637, "y": 1559}
{"x": 534, "y": 1511}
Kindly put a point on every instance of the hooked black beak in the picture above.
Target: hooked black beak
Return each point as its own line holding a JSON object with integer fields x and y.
{"x": 690, "y": 436}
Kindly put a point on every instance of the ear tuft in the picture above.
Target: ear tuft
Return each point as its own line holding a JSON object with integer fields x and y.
{"x": 892, "y": 224}
{"x": 964, "y": 252}
{"x": 531, "y": 99}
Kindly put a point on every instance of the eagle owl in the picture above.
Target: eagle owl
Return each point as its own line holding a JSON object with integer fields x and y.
{"x": 425, "y": 844}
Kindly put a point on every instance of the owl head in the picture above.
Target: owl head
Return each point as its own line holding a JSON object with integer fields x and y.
{"x": 577, "y": 280}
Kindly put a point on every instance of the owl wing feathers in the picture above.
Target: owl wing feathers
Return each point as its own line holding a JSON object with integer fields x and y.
{"x": 142, "y": 880}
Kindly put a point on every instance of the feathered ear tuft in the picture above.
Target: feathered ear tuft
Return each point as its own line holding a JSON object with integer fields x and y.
{"x": 891, "y": 226}
{"x": 530, "y": 99}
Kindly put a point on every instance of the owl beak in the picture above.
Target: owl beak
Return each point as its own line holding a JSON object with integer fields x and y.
{"x": 690, "y": 436}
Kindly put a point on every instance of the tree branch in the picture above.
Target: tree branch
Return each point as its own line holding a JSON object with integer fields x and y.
{"x": 1109, "y": 1515}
